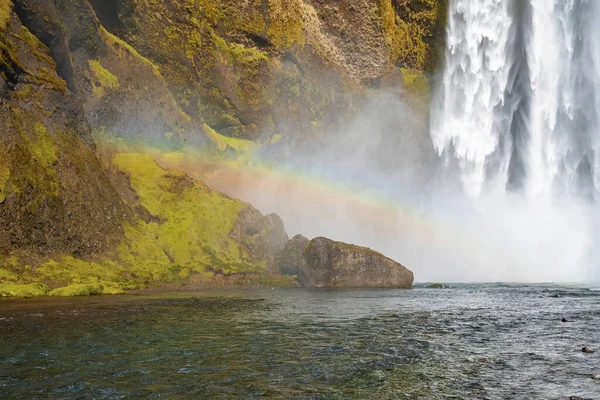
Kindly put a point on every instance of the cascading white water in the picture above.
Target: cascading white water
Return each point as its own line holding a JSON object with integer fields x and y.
{"x": 518, "y": 104}
{"x": 476, "y": 78}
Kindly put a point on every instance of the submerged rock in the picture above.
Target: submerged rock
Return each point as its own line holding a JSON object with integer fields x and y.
{"x": 435, "y": 286}
{"x": 588, "y": 350}
{"x": 336, "y": 264}
{"x": 291, "y": 258}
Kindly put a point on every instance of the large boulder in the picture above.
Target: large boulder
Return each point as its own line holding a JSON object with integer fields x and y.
{"x": 290, "y": 260}
{"x": 335, "y": 264}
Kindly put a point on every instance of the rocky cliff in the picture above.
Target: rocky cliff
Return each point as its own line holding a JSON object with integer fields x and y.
{"x": 164, "y": 69}
{"x": 203, "y": 73}
{"x": 54, "y": 194}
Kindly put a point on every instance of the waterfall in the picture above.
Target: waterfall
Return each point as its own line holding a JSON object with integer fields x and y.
{"x": 517, "y": 107}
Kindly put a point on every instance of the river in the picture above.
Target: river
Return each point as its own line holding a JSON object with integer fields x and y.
{"x": 467, "y": 341}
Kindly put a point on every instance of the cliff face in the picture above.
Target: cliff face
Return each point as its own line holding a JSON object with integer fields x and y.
{"x": 182, "y": 72}
{"x": 275, "y": 66}
{"x": 163, "y": 69}
{"x": 54, "y": 195}
{"x": 120, "y": 90}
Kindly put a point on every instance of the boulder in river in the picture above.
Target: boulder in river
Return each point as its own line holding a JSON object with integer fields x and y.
{"x": 335, "y": 264}
{"x": 588, "y": 350}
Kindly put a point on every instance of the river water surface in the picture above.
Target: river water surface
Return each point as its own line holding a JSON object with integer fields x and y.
{"x": 467, "y": 341}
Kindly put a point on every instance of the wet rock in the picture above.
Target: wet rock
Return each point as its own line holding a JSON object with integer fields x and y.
{"x": 55, "y": 194}
{"x": 291, "y": 258}
{"x": 436, "y": 286}
{"x": 564, "y": 320}
{"x": 336, "y": 264}
{"x": 263, "y": 236}
{"x": 588, "y": 350}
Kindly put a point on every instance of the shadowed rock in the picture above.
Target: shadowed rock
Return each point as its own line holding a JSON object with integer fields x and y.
{"x": 335, "y": 264}
{"x": 291, "y": 258}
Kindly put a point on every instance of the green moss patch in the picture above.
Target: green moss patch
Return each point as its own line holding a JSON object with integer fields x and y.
{"x": 78, "y": 289}
{"x": 244, "y": 149}
{"x": 7, "y": 276}
{"x": 68, "y": 270}
{"x": 104, "y": 78}
{"x": 44, "y": 147}
{"x": 124, "y": 49}
{"x": 23, "y": 290}
{"x": 190, "y": 225}
{"x": 5, "y": 10}
{"x": 415, "y": 82}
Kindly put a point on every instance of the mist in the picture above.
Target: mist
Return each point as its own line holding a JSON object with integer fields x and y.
{"x": 378, "y": 182}
{"x": 490, "y": 179}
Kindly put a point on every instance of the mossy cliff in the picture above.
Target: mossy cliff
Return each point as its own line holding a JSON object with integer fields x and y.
{"x": 276, "y": 66}
{"x": 245, "y": 69}
{"x": 69, "y": 226}
{"x": 181, "y": 230}
{"x": 54, "y": 194}
{"x": 185, "y": 224}
{"x": 220, "y": 74}
{"x": 119, "y": 89}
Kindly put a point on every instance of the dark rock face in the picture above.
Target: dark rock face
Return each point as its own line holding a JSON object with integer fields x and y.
{"x": 291, "y": 259}
{"x": 335, "y": 264}
{"x": 119, "y": 90}
{"x": 54, "y": 195}
{"x": 263, "y": 236}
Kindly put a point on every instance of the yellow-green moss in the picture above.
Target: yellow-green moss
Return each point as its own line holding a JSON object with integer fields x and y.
{"x": 78, "y": 289}
{"x": 415, "y": 82}
{"x": 7, "y": 276}
{"x": 36, "y": 157}
{"x": 192, "y": 223}
{"x": 104, "y": 78}
{"x": 68, "y": 270}
{"x": 417, "y": 33}
{"x": 46, "y": 76}
{"x": 244, "y": 148}
{"x": 285, "y": 25}
{"x": 40, "y": 51}
{"x": 125, "y": 48}
{"x": 250, "y": 67}
{"x": 5, "y": 10}
{"x": 23, "y": 290}
{"x": 275, "y": 138}
{"x": 43, "y": 146}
